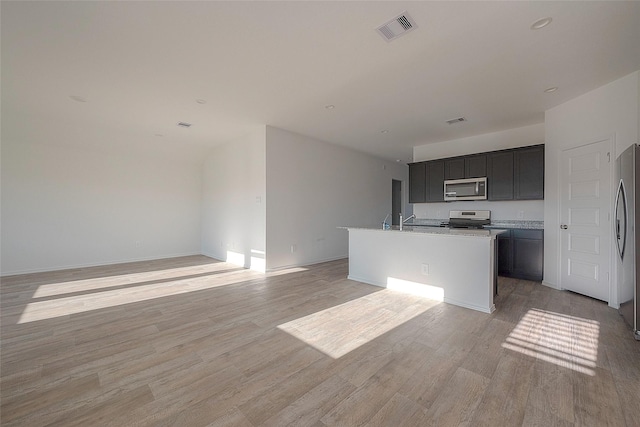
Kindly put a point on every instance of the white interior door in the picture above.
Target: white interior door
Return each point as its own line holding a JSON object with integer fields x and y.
{"x": 585, "y": 203}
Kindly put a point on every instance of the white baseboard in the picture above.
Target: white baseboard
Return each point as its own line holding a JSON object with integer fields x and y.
{"x": 96, "y": 264}
{"x": 447, "y": 300}
{"x": 551, "y": 285}
{"x": 306, "y": 263}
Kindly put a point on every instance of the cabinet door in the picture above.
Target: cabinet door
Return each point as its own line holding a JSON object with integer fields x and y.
{"x": 454, "y": 168}
{"x": 529, "y": 173}
{"x": 504, "y": 254}
{"x": 435, "y": 181}
{"x": 417, "y": 183}
{"x": 475, "y": 166}
{"x": 528, "y": 259}
{"x": 500, "y": 175}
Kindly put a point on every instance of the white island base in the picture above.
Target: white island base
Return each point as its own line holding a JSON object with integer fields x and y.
{"x": 454, "y": 266}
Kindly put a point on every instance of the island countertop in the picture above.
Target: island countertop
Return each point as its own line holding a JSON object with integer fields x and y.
{"x": 442, "y": 231}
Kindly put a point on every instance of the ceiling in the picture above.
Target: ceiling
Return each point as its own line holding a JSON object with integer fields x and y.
{"x": 141, "y": 66}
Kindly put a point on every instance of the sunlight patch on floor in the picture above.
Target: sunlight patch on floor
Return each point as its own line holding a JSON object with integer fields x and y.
{"x": 567, "y": 341}
{"x": 413, "y": 288}
{"x": 48, "y": 309}
{"x": 83, "y": 285}
{"x": 339, "y": 330}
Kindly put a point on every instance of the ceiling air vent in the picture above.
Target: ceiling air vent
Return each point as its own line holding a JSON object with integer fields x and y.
{"x": 456, "y": 120}
{"x": 184, "y": 124}
{"x": 398, "y": 26}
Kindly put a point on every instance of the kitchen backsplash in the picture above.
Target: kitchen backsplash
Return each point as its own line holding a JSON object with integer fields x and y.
{"x": 530, "y": 210}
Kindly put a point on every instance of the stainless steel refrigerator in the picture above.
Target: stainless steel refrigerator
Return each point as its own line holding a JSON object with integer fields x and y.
{"x": 627, "y": 211}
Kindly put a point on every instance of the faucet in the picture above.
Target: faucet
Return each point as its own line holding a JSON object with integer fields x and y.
{"x": 403, "y": 221}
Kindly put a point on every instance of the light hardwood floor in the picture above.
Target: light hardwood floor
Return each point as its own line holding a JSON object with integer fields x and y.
{"x": 196, "y": 342}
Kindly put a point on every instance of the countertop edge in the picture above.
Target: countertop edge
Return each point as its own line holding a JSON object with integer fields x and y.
{"x": 435, "y": 231}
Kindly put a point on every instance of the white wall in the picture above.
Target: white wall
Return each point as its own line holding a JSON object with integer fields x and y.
{"x": 66, "y": 207}
{"x": 314, "y": 187}
{"x": 233, "y": 202}
{"x": 512, "y": 138}
{"x": 609, "y": 111}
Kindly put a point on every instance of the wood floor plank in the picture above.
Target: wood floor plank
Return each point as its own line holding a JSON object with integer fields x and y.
{"x": 434, "y": 375}
{"x": 550, "y": 395}
{"x": 504, "y": 401}
{"x": 398, "y": 412}
{"x": 458, "y": 400}
{"x": 312, "y": 405}
{"x": 197, "y": 342}
{"x": 596, "y": 400}
{"x": 488, "y": 351}
{"x": 361, "y": 405}
{"x": 233, "y": 418}
{"x": 27, "y": 406}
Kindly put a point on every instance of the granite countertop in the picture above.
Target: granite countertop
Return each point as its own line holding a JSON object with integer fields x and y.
{"x": 520, "y": 223}
{"x": 443, "y": 231}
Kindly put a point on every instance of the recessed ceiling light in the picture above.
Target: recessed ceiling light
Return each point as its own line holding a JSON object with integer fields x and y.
{"x": 551, "y": 89}
{"x": 541, "y": 23}
{"x": 330, "y": 107}
{"x": 201, "y": 101}
{"x": 184, "y": 124}
{"x": 78, "y": 98}
{"x": 384, "y": 131}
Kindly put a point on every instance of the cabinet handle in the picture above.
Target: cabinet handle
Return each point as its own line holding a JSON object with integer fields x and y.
{"x": 564, "y": 226}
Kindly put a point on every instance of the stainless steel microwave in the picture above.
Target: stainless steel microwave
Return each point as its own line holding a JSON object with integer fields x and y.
{"x": 465, "y": 189}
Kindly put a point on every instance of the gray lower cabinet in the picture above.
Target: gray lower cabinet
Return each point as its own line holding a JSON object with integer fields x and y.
{"x": 505, "y": 259}
{"x": 521, "y": 254}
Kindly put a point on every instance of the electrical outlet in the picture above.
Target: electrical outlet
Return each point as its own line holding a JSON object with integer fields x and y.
{"x": 425, "y": 269}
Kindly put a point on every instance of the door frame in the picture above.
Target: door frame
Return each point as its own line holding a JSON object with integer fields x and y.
{"x": 611, "y": 146}
{"x": 394, "y": 215}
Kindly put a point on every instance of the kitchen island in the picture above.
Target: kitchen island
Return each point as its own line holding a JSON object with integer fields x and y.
{"x": 457, "y": 266}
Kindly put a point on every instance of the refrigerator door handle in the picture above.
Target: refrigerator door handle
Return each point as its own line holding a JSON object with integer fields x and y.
{"x": 621, "y": 196}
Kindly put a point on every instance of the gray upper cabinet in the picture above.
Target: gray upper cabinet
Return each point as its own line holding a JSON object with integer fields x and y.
{"x": 435, "y": 181}
{"x": 417, "y": 183}
{"x": 454, "y": 168}
{"x": 500, "y": 175}
{"x": 516, "y": 174}
{"x": 529, "y": 173}
{"x": 475, "y": 166}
